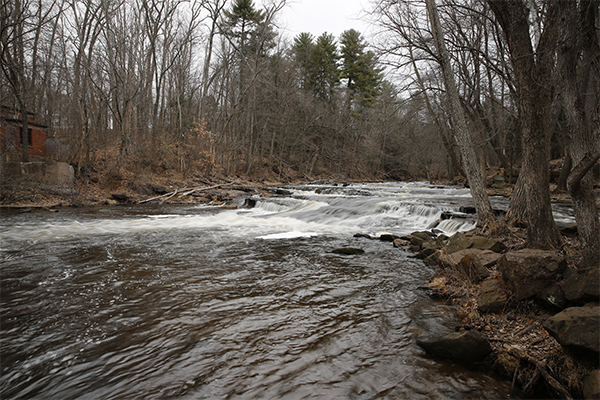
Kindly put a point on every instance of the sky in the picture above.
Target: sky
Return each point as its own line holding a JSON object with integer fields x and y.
{"x": 319, "y": 16}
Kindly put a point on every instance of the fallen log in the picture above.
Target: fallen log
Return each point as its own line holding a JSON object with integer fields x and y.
{"x": 184, "y": 192}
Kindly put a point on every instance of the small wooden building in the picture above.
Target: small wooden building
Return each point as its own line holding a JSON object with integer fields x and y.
{"x": 11, "y": 127}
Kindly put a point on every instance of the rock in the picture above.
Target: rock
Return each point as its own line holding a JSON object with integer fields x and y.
{"x": 120, "y": 196}
{"x": 388, "y": 237}
{"x": 591, "y": 385}
{"x": 458, "y": 242}
{"x": 553, "y": 297}
{"x": 467, "y": 210}
{"x": 441, "y": 240}
{"x": 527, "y": 272}
{"x": 402, "y": 243}
{"x": 577, "y": 328}
{"x": 362, "y": 235}
{"x": 465, "y": 345}
{"x": 416, "y": 241}
{"x": 583, "y": 286}
{"x": 482, "y": 243}
{"x": 348, "y": 251}
{"x": 487, "y": 257}
{"x": 157, "y": 189}
{"x": 492, "y": 296}
{"x": 472, "y": 267}
{"x": 425, "y": 236}
{"x": 433, "y": 259}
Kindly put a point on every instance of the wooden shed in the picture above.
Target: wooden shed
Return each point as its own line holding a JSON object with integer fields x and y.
{"x": 11, "y": 131}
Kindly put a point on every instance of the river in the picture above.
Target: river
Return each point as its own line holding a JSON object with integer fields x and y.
{"x": 194, "y": 302}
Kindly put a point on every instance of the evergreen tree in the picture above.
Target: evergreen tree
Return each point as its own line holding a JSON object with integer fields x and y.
{"x": 360, "y": 68}
{"x": 302, "y": 48}
{"x": 325, "y": 72}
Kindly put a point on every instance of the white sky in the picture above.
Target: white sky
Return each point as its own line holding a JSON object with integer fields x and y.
{"x": 319, "y": 16}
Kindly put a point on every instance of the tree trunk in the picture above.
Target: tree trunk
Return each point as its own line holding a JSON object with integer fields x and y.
{"x": 533, "y": 72}
{"x": 485, "y": 214}
{"x": 580, "y": 87}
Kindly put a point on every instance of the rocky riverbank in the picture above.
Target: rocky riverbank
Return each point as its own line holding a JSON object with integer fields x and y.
{"x": 531, "y": 315}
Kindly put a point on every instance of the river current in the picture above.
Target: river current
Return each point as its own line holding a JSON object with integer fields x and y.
{"x": 194, "y": 302}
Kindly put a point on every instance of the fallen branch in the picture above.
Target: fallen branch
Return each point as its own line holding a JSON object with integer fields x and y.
{"x": 541, "y": 370}
{"x": 184, "y": 192}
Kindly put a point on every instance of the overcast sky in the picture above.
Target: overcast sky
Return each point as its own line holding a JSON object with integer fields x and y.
{"x": 318, "y": 16}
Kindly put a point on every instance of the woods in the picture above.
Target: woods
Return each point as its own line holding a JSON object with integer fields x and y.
{"x": 443, "y": 90}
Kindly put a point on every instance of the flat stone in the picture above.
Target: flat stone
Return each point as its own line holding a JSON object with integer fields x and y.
{"x": 465, "y": 345}
{"x": 577, "y": 328}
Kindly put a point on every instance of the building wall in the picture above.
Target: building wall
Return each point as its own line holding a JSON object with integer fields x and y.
{"x": 10, "y": 139}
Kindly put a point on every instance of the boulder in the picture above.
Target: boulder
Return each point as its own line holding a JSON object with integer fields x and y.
{"x": 465, "y": 345}
{"x": 348, "y": 251}
{"x": 553, "y": 296}
{"x": 458, "y": 242}
{"x": 487, "y": 257}
{"x": 120, "y": 196}
{"x": 402, "y": 243}
{"x": 527, "y": 272}
{"x": 577, "y": 328}
{"x": 482, "y": 243}
{"x": 583, "y": 286}
{"x": 472, "y": 267}
{"x": 591, "y": 385}
{"x": 426, "y": 236}
{"x": 416, "y": 241}
{"x": 433, "y": 259}
{"x": 492, "y": 296}
{"x": 388, "y": 237}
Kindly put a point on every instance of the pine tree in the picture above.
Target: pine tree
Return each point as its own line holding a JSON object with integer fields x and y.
{"x": 360, "y": 68}
{"x": 324, "y": 71}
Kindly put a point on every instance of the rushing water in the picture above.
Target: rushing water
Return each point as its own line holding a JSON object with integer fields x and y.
{"x": 152, "y": 302}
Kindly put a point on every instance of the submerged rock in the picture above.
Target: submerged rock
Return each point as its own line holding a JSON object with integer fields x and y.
{"x": 348, "y": 251}
{"x": 465, "y": 345}
{"x": 577, "y": 328}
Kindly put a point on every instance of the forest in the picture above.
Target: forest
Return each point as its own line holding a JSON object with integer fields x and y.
{"x": 441, "y": 90}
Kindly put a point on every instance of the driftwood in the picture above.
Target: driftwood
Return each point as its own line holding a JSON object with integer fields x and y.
{"x": 540, "y": 371}
{"x": 184, "y": 192}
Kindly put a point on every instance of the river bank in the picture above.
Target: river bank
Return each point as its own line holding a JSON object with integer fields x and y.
{"x": 536, "y": 313}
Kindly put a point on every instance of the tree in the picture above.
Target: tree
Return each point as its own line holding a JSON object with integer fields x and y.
{"x": 302, "y": 49}
{"x": 21, "y": 25}
{"x": 533, "y": 69}
{"x": 324, "y": 69}
{"x": 359, "y": 67}
{"x": 485, "y": 214}
{"x": 579, "y": 84}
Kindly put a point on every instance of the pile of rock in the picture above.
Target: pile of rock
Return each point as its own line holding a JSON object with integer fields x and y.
{"x": 501, "y": 279}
